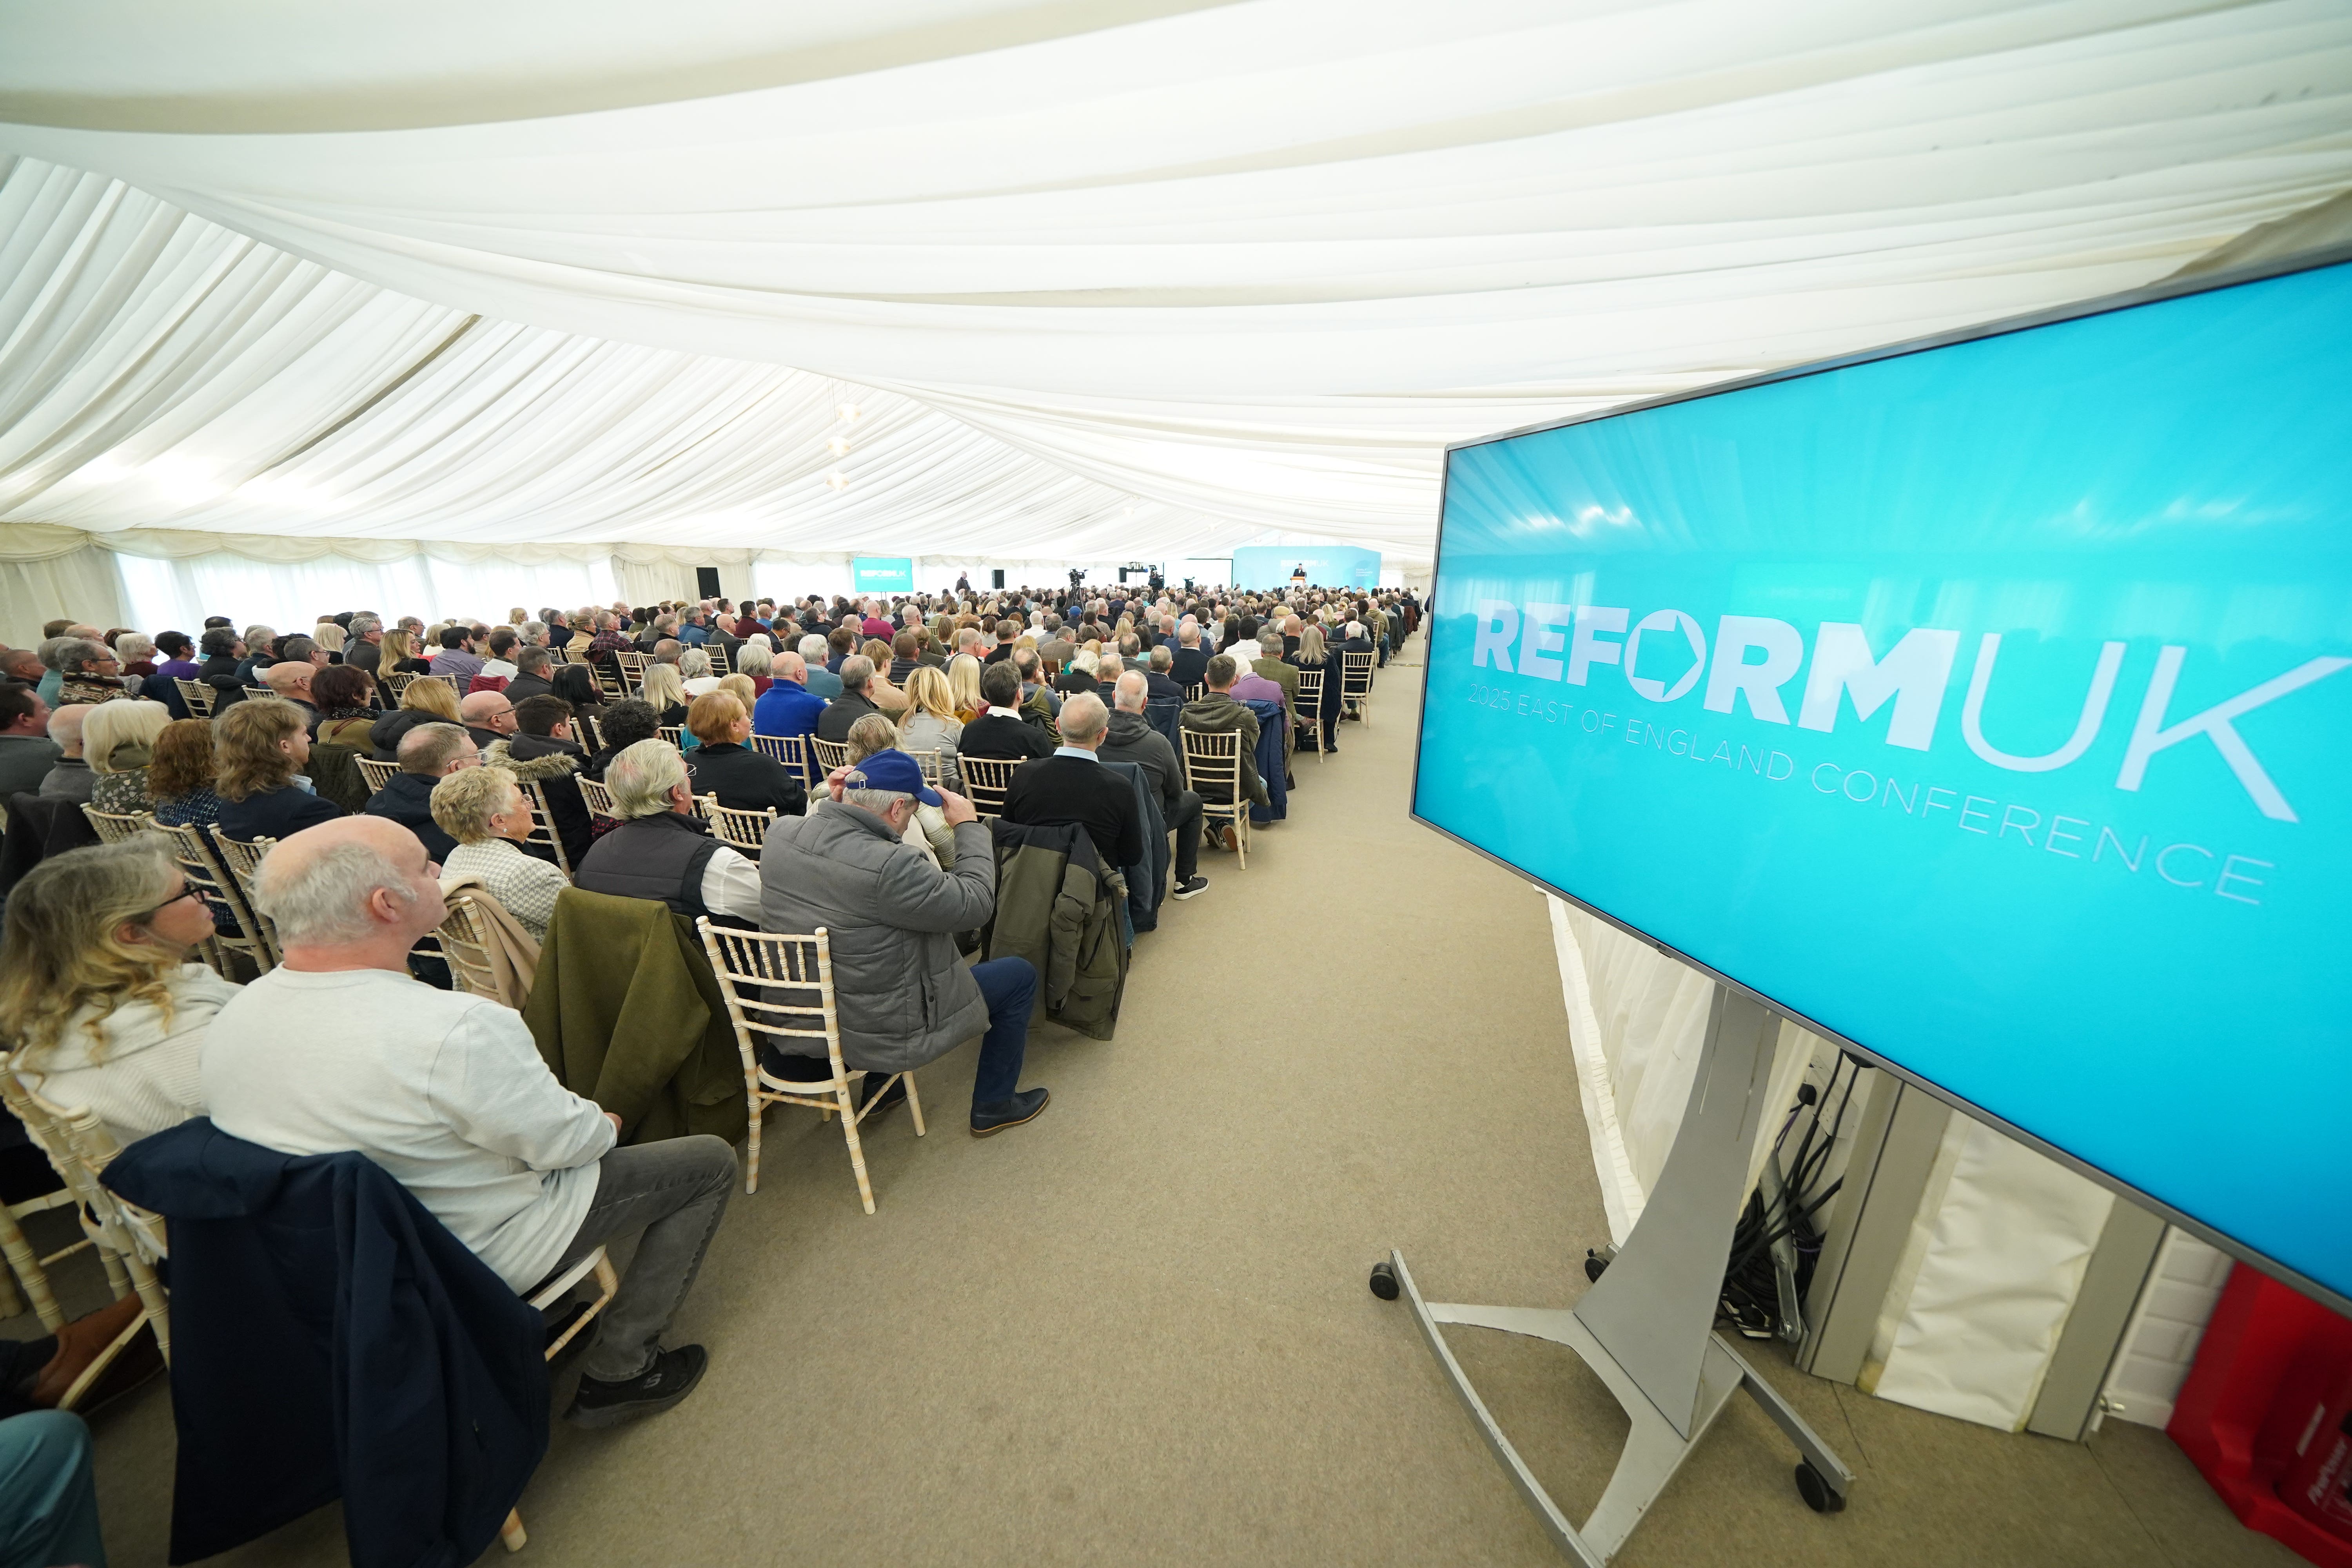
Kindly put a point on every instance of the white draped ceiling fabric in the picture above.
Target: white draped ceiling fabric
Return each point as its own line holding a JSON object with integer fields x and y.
{"x": 1101, "y": 278}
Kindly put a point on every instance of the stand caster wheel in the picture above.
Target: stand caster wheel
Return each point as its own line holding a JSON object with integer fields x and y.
{"x": 1384, "y": 1281}
{"x": 1816, "y": 1491}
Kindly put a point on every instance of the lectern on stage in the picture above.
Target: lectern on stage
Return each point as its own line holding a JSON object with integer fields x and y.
{"x": 1647, "y": 1326}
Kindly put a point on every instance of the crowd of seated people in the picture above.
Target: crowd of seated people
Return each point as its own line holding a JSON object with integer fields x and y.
{"x": 237, "y": 734}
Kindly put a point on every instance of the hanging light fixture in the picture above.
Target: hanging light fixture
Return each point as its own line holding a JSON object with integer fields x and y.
{"x": 839, "y": 446}
{"x": 837, "y": 480}
{"x": 849, "y": 413}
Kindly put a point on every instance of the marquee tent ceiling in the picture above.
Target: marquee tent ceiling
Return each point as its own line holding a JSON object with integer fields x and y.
{"x": 1100, "y": 276}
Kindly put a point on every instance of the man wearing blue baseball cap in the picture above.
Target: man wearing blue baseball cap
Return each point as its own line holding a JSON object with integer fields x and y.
{"x": 903, "y": 993}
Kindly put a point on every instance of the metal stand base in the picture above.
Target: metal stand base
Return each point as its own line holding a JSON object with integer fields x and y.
{"x": 1647, "y": 1326}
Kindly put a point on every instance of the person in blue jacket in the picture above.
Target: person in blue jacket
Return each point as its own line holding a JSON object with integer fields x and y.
{"x": 787, "y": 707}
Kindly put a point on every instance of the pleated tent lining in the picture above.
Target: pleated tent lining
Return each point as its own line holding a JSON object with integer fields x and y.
{"x": 1098, "y": 286}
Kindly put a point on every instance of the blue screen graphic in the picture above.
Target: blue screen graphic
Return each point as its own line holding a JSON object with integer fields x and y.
{"x": 1327, "y": 566}
{"x": 1989, "y": 705}
{"x": 882, "y": 574}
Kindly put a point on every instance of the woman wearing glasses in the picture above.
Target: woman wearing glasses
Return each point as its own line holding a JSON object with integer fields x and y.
{"x": 98, "y": 1001}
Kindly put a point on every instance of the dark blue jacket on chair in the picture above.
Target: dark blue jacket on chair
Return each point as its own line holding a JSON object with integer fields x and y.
{"x": 329, "y": 1336}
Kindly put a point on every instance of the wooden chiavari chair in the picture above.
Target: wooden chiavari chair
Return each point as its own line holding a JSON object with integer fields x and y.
{"x": 779, "y": 989}
{"x": 985, "y": 780}
{"x": 1212, "y": 767}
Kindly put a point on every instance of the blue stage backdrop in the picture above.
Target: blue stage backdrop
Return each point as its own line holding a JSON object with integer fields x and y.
{"x": 882, "y": 574}
{"x": 1328, "y": 565}
{"x": 1985, "y": 704}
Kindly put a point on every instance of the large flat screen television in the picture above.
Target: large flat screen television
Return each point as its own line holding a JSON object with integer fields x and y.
{"x": 1984, "y": 703}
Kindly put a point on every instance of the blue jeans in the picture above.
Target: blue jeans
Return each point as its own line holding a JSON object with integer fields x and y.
{"x": 48, "y": 1506}
{"x": 1009, "y": 986}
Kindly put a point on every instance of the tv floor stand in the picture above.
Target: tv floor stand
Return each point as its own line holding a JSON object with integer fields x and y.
{"x": 1647, "y": 1325}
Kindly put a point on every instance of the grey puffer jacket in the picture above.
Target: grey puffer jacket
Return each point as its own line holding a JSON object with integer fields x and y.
{"x": 904, "y": 994}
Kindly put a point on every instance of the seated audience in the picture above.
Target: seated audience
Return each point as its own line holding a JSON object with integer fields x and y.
{"x": 1131, "y": 739}
{"x": 788, "y": 707}
{"x": 457, "y": 657}
{"x": 624, "y": 724}
{"x": 695, "y": 673}
{"x": 344, "y": 696}
{"x": 98, "y": 998}
{"x": 425, "y": 702}
{"x": 930, "y": 722}
{"x": 1190, "y": 664}
{"x": 1217, "y": 713}
{"x": 576, "y": 684}
{"x": 260, "y": 747}
{"x": 87, "y": 672}
{"x": 963, "y": 687}
{"x": 756, "y": 661}
{"x": 180, "y": 779}
{"x": 543, "y": 752}
{"x": 664, "y": 692}
{"x": 532, "y": 677}
{"x": 428, "y": 753}
{"x": 447, "y": 1092}
{"x": 70, "y": 778}
{"x": 663, "y": 849}
{"x": 1072, "y": 785}
{"x": 222, "y": 652}
{"x": 26, "y": 753}
{"x": 501, "y": 665}
{"x": 853, "y": 704}
{"x": 489, "y": 717}
{"x": 485, "y": 811}
{"x": 118, "y": 741}
{"x": 891, "y": 918}
{"x": 1001, "y": 731}
{"x": 726, "y": 765}
{"x": 403, "y": 655}
{"x": 816, "y": 655}
{"x": 290, "y": 680}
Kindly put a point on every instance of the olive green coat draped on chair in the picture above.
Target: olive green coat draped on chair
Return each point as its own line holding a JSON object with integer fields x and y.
{"x": 626, "y": 1012}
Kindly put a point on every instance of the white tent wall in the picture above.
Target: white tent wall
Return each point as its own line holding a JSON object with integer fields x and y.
{"x": 1998, "y": 1246}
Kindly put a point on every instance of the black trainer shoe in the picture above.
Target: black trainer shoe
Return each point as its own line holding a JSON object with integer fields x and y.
{"x": 990, "y": 1119}
{"x": 670, "y": 1380}
{"x": 1190, "y": 888}
{"x": 872, "y": 1105}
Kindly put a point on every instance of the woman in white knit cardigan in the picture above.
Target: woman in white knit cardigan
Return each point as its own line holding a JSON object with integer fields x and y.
{"x": 97, "y": 1000}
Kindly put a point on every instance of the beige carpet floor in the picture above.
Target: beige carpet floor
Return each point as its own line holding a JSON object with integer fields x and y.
{"x": 1138, "y": 1331}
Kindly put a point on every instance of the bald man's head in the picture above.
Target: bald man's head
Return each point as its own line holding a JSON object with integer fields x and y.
{"x": 432, "y": 750}
{"x": 289, "y": 677}
{"x": 492, "y": 711}
{"x": 356, "y": 879}
{"x": 789, "y": 665}
{"x": 1133, "y": 691}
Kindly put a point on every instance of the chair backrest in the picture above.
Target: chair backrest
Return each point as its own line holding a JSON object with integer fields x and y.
{"x": 466, "y": 945}
{"x": 259, "y": 691}
{"x": 719, "y": 664}
{"x": 1356, "y": 674}
{"x": 778, "y": 987}
{"x": 377, "y": 774}
{"x": 928, "y": 761}
{"x": 243, "y": 859}
{"x": 208, "y": 876}
{"x": 633, "y": 666}
{"x": 542, "y": 825}
{"x": 608, "y": 682}
{"x": 396, "y": 682}
{"x": 1194, "y": 693}
{"x": 597, "y": 798}
{"x": 1213, "y": 757}
{"x": 80, "y": 1148}
{"x": 790, "y": 750}
{"x": 985, "y": 780}
{"x": 829, "y": 755}
{"x": 583, "y": 730}
{"x": 1310, "y": 690}
{"x": 674, "y": 733}
{"x": 745, "y": 830}
{"x": 197, "y": 695}
{"x": 112, "y": 828}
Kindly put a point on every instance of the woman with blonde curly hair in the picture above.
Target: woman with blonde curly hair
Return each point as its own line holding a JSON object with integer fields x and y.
{"x": 97, "y": 999}
{"x": 963, "y": 687}
{"x": 117, "y": 740}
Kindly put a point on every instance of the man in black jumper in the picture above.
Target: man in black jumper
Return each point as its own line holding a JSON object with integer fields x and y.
{"x": 1073, "y": 786}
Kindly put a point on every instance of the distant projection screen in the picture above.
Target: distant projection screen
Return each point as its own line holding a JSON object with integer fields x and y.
{"x": 882, "y": 574}
{"x": 1983, "y": 703}
{"x": 1327, "y": 566}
